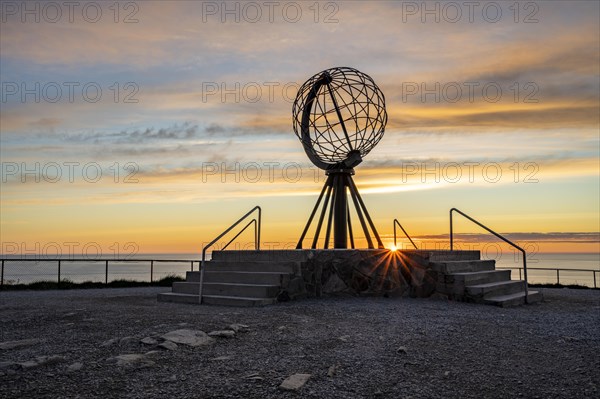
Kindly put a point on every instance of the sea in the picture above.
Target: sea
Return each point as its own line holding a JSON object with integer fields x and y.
{"x": 573, "y": 268}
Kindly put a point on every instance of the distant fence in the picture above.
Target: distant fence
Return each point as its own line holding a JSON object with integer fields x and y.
{"x": 554, "y": 270}
{"x": 25, "y": 271}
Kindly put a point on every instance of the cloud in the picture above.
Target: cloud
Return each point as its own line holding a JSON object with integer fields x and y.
{"x": 556, "y": 237}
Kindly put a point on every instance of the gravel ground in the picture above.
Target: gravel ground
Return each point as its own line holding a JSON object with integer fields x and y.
{"x": 352, "y": 347}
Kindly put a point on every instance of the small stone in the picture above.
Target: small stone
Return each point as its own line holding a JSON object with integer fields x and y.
{"x": 18, "y": 344}
{"x": 109, "y": 342}
{"x": 402, "y": 350}
{"x": 446, "y": 373}
{"x": 127, "y": 340}
{"x": 222, "y": 334}
{"x": 344, "y": 338}
{"x": 43, "y": 360}
{"x": 236, "y": 327}
{"x": 149, "y": 341}
{"x": 29, "y": 364}
{"x": 74, "y": 367}
{"x": 331, "y": 371}
{"x": 168, "y": 345}
{"x": 69, "y": 314}
{"x": 131, "y": 359}
{"x": 294, "y": 382}
{"x": 188, "y": 337}
{"x": 172, "y": 378}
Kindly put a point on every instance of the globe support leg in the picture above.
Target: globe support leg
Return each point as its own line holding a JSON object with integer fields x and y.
{"x": 314, "y": 211}
{"x": 336, "y": 204}
{"x": 363, "y": 224}
{"x": 340, "y": 236}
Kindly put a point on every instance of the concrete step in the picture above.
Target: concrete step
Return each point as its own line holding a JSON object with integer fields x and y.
{"x": 236, "y": 301}
{"x": 254, "y": 266}
{"x": 498, "y": 288}
{"x": 215, "y": 299}
{"x": 458, "y": 266}
{"x": 291, "y": 255}
{"x": 474, "y": 278}
{"x": 514, "y": 299}
{"x": 230, "y": 289}
{"x": 273, "y": 278}
{"x": 178, "y": 298}
{"x": 445, "y": 256}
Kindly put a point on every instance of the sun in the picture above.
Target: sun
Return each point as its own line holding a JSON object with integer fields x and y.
{"x": 393, "y": 248}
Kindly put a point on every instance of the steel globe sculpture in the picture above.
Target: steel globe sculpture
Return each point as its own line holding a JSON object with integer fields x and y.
{"x": 339, "y": 116}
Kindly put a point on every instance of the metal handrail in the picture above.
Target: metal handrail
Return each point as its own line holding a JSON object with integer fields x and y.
{"x": 210, "y": 244}
{"x": 497, "y": 235}
{"x": 240, "y": 233}
{"x": 396, "y": 222}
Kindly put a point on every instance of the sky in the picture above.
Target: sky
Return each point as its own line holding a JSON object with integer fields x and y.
{"x": 149, "y": 127}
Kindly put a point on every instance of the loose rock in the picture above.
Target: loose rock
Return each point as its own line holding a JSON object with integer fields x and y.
{"x": 18, "y": 344}
{"x": 236, "y": 327}
{"x": 222, "y": 334}
{"x": 127, "y": 340}
{"x": 188, "y": 337}
{"x": 168, "y": 345}
{"x": 75, "y": 367}
{"x": 149, "y": 341}
{"x": 109, "y": 342}
{"x": 294, "y": 382}
{"x": 132, "y": 359}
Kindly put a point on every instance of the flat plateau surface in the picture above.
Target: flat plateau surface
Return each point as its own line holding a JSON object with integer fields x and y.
{"x": 351, "y": 347}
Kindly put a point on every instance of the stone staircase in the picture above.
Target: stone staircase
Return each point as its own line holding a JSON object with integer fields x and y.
{"x": 239, "y": 278}
{"x": 479, "y": 281}
{"x": 255, "y": 278}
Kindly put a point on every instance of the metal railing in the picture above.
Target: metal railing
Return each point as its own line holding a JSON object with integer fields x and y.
{"x": 557, "y": 270}
{"x": 61, "y": 261}
{"x": 497, "y": 235}
{"x": 396, "y": 222}
{"x": 257, "y": 226}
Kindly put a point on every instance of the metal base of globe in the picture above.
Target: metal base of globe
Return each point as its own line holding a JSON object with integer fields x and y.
{"x": 336, "y": 206}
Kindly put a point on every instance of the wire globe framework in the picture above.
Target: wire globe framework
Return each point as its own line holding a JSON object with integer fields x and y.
{"x": 339, "y": 116}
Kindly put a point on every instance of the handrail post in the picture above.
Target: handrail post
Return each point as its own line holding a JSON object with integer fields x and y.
{"x": 451, "y": 232}
{"x": 259, "y": 226}
{"x": 525, "y": 275}
{"x": 2, "y": 276}
{"x": 593, "y": 271}
{"x": 201, "y": 267}
{"x": 106, "y": 273}
{"x": 395, "y": 244}
{"x": 58, "y": 283}
{"x": 192, "y": 266}
{"x": 151, "y": 271}
{"x": 557, "y": 276}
